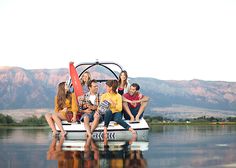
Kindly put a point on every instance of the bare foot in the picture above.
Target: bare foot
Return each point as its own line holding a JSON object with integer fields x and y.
{"x": 137, "y": 119}
{"x": 89, "y": 135}
{"x": 63, "y": 134}
{"x": 132, "y": 119}
{"x": 134, "y": 133}
{"x": 105, "y": 134}
{"x": 134, "y": 138}
{"x": 54, "y": 134}
{"x": 105, "y": 142}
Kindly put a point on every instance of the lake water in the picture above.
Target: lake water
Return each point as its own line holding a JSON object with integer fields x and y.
{"x": 168, "y": 146}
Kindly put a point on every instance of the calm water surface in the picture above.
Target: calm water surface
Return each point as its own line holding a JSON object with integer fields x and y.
{"x": 168, "y": 146}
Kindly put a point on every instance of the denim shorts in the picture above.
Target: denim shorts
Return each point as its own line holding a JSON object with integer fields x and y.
{"x": 90, "y": 116}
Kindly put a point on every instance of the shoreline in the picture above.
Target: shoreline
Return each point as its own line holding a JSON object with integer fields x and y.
{"x": 45, "y": 126}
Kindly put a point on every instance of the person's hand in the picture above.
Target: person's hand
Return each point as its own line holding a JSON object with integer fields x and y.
{"x": 85, "y": 106}
{"x": 131, "y": 118}
{"x": 88, "y": 110}
{"x": 90, "y": 106}
{"x": 137, "y": 118}
{"x": 80, "y": 98}
{"x": 133, "y": 103}
{"x": 65, "y": 109}
{"x": 73, "y": 118}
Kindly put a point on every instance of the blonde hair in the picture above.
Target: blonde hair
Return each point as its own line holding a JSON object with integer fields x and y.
{"x": 89, "y": 78}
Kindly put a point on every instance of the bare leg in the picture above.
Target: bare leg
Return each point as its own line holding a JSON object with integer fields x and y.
{"x": 87, "y": 144}
{"x": 50, "y": 121}
{"x": 134, "y": 134}
{"x": 57, "y": 119}
{"x": 105, "y": 133}
{"x": 141, "y": 110}
{"x": 127, "y": 110}
{"x": 87, "y": 127}
{"x": 95, "y": 123}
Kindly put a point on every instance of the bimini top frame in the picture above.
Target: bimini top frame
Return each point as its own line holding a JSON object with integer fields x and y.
{"x": 97, "y": 63}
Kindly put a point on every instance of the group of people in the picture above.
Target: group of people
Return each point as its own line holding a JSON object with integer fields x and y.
{"x": 119, "y": 99}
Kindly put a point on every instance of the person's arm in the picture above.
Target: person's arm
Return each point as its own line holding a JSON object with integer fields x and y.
{"x": 93, "y": 107}
{"x": 144, "y": 99}
{"x": 88, "y": 110}
{"x": 126, "y": 100}
{"x": 74, "y": 106}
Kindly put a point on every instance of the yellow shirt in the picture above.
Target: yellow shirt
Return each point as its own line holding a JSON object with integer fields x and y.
{"x": 71, "y": 106}
{"x": 116, "y": 98}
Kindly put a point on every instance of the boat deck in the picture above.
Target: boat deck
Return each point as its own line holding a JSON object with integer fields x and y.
{"x": 115, "y": 131}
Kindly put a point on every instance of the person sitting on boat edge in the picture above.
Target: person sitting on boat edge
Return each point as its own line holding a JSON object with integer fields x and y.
{"x": 86, "y": 77}
{"x": 65, "y": 101}
{"x": 123, "y": 84}
{"x": 134, "y": 103}
{"x": 91, "y": 101}
{"x": 115, "y": 107}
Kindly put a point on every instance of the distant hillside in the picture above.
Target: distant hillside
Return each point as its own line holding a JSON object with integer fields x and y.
{"x": 21, "y": 88}
{"x": 197, "y": 93}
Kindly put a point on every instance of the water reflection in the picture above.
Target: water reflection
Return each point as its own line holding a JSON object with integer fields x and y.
{"x": 24, "y": 135}
{"x": 193, "y": 146}
{"x": 90, "y": 153}
{"x": 168, "y": 146}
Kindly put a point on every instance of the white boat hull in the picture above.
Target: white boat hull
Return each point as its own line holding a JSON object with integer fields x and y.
{"x": 79, "y": 145}
{"x": 115, "y": 131}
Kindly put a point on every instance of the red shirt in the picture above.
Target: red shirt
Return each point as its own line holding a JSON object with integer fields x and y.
{"x": 137, "y": 96}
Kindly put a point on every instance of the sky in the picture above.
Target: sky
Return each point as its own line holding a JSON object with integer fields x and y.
{"x": 163, "y": 39}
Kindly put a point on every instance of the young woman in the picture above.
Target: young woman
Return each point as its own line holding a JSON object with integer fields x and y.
{"x": 65, "y": 101}
{"x": 123, "y": 84}
{"x": 86, "y": 77}
{"x": 115, "y": 108}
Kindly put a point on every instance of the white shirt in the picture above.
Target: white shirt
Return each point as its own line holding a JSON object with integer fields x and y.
{"x": 92, "y": 98}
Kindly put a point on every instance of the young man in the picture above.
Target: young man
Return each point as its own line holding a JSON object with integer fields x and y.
{"x": 91, "y": 100}
{"x": 134, "y": 103}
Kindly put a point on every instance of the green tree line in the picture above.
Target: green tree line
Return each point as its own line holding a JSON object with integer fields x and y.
{"x": 41, "y": 121}
{"x": 203, "y": 119}
{"x": 30, "y": 121}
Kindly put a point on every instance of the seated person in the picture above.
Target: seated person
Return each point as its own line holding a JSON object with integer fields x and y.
{"x": 134, "y": 103}
{"x": 89, "y": 106}
{"x": 114, "y": 100}
{"x": 86, "y": 77}
{"x": 123, "y": 84}
{"x": 65, "y": 102}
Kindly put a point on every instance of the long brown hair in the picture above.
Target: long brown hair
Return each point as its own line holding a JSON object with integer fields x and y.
{"x": 62, "y": 96}
{"x": 119, "y": 79}
{"x": 89, "y": 78}
{"x": 113, "y": 84}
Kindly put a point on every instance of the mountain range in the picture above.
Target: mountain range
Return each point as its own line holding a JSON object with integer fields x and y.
{"x": 36, "y": 88}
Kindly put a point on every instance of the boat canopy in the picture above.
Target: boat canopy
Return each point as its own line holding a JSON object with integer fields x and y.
{"x": 110, "y": 70}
